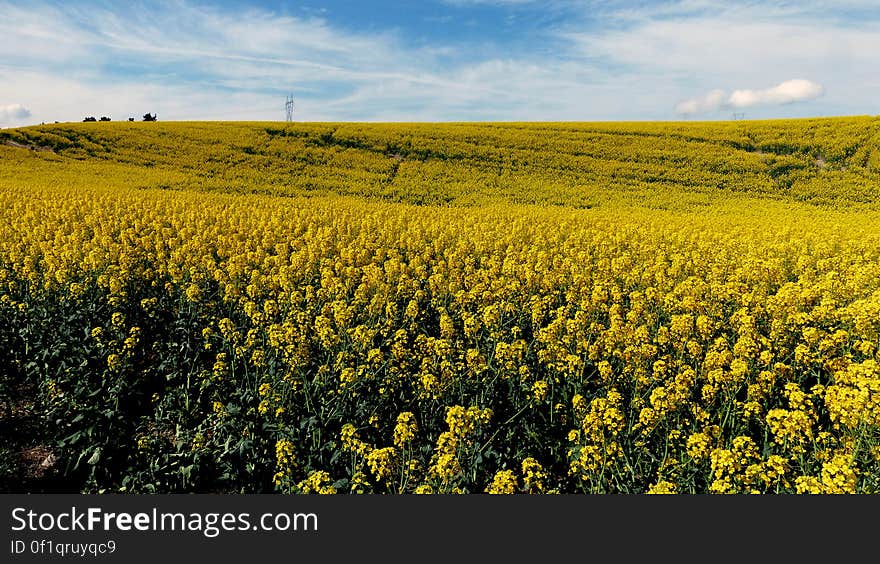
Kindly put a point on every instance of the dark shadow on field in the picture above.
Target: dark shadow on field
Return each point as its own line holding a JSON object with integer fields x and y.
{"x": 28, "y": 462}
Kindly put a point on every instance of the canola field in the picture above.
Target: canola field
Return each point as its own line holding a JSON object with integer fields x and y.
{"x": 441, "y": 308}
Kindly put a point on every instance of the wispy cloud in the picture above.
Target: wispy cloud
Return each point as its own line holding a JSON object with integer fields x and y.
{"x": 615, "y": 59}
{"x": 186, "y": 53}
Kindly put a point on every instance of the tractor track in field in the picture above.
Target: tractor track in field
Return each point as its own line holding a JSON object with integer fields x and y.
{"x": 17, "y": 145}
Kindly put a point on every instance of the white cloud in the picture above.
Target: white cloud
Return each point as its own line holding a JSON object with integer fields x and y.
{"x": 790, "y": 91}
{"x": 701, "y": 105}
{"x": 13, "y": 112}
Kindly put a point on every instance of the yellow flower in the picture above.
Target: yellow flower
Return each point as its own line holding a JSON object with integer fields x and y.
{"x": 405, "y": 430}
{"x": 504, "y": 482}
{"x": 114, "y": 361}
{"x": 219, "y": 409}
{"x": 663, "y": 487}
{"x": 540, "y": 390}
{"x": 534, "y": 476}
{"x": 318, "y": 482}
{"x": 698, "y": 446}
{"x": 194, "y": 293}
{"x": 382, "y": 462}
{"x": 285, "y": 462}
{"x": 352, "y": 442}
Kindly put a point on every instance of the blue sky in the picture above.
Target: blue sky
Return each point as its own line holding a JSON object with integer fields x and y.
{"x": 438, "y": 60}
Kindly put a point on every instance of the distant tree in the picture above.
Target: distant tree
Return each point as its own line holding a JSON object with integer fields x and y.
{"x": 149, "y": 117}
{"x": 105, "y": 118}
{"x": 131, "y": 119}
{"x": 90, "y": 118}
